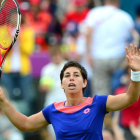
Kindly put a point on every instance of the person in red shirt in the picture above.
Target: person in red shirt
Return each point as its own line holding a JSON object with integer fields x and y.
{"x": 80, "y": 11}
{"x": 77, "y": 15}
{"x": 40, "y": 20}
{"x": 130, "y": 114}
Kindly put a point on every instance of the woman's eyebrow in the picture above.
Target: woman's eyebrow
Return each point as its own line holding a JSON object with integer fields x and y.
{"x": 73, "y": 72}
{"x": 76, "y": 72}
{"x": 67, "y": 73}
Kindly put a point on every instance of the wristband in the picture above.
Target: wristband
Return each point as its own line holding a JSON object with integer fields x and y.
{"x": 135, "y": 76}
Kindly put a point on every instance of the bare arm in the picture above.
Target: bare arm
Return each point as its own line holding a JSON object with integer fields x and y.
{"x": 121, "y": 101}
{"x": 88, "y": 38}
{"x": 116, "y": 128}
{"x": 135, "y": 130}
{"x": 135, "y": 36}
{"x": 22, "y": 122}
{"x": 88, "y": 42}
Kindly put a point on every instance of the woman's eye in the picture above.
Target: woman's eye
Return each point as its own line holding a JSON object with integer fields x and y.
{"x": 66, "y": 75}
{"x": 77, "y": 75}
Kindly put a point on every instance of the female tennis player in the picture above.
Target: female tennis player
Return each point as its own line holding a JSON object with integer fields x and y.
{"x": 78, "y": 117}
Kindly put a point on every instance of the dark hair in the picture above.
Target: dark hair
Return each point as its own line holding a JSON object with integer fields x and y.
{"x": 77, "y": 65}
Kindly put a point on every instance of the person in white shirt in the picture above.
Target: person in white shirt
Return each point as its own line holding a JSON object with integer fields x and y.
{"x": 50, "y": 80}
{"x": 81, "y": 55}
{"x": 108, "y": 31}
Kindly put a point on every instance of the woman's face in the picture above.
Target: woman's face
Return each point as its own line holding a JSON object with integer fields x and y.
{"x": 57, "y": 58}
{"x": 72, "y": 81}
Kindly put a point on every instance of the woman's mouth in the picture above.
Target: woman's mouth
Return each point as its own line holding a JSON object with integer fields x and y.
{"x": 72, "y": 86}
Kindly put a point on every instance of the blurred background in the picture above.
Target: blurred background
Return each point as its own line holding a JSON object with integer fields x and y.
{"x": 53, "y": 32}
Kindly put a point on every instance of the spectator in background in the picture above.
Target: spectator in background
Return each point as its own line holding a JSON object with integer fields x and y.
{"x": 90, "y": 4}
{"x": 7, "y": 130}
{"x": 108, "y": 29}
{"x": 17, "y": 69}
{"x": 137, "y": 24}
{"x": 78, "y": 14}
{"x": 53, "y": 7}
{"x": 115, "y": 132}
{"x": 130, "y": 114}
{"x": 50, "y": 80}
{"x": 118, "y": 132}
{"x": 135, "y": 130}
{"x": 24, "y": 6}
{"x": 51, "y": 72}
{"x": 49, "y": 6}
{"x": 39, "y": 18}
{"x": 54, "y": 34}
{"x": 81, "y": 55}
{"x": 69, "y": 40}
{"x": 108, "y": 134}
{"x": 62, "y": 7}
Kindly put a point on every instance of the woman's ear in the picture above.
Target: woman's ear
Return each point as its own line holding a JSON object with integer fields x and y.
{"x": 62, "y": 86}
{"x": 84, "y": 83}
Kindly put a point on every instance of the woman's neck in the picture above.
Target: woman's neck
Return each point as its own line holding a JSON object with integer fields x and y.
{"x": 72, "y": 101}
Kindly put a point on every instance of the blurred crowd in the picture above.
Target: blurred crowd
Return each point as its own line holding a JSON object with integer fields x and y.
{"x": 91, "y": 32}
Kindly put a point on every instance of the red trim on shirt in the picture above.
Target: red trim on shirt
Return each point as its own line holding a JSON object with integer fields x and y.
{"x": 71, "y": 109}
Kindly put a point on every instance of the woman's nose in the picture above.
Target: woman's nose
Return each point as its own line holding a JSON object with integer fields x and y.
{"x": 71, "y": 78}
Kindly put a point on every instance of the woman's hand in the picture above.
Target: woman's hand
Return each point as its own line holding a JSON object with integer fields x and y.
{"x": 133, "y": 58}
